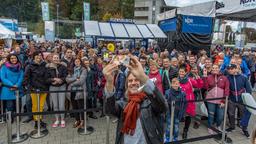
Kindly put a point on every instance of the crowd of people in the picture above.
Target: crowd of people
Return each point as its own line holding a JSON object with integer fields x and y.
{"x": 164, "y": 75}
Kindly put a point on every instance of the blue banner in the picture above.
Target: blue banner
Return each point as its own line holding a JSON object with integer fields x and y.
{"x": 197, "y": 24}
{"x": 168, "y": 25}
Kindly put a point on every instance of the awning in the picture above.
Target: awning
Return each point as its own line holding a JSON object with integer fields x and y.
{"x": 6, "y": 33}
{"x": 122, "y": 30}
{"x": 238, "y": 10}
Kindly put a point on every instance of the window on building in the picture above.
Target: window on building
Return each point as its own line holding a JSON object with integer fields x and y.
{"x": 141, "y": 8}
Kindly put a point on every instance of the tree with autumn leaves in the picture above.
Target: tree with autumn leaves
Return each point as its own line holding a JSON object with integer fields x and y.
{"x": 30, "y": 11}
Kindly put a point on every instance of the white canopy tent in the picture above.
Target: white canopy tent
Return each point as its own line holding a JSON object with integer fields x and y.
{"x": 122, "y": 30}
{"x": 238, "y": 10}
{"x": 5, "y": 33}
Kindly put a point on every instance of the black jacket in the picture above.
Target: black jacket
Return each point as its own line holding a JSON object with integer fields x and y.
{"x": 35, "y": 76}
{"x": 60, "y": 71}
{"x": 152, "y": 110}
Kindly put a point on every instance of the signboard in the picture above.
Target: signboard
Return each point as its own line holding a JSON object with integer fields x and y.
{"x": 121, "y": 20}
{"x": 49, "y": 31}
{"x": 45, "y": 11}
{"x": 168, "y": 25}
{"x": 196, "y": 24}
{"x": 11, "y": 24}
{"x": 86, "y": 11}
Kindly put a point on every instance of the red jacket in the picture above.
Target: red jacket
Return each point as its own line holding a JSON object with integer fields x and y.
{"x": 217, "y": 86}
{"x": 188, "y": 89}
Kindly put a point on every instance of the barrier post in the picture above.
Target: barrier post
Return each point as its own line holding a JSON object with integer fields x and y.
{"x": 2, "y": 112}
{"x": 16, "y": 138}
{"x": 172, "y": 120}
{"x": 36, "y": 134}
{"x": 108, "y": 120}
{"x": 107, "y": 132}
{"x": 87, "y": 130}
{"x": 9, "y": 127}
{"x": 224, "y": 122}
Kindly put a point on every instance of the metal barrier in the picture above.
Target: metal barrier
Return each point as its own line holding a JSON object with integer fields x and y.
{"x": 88, "y": 130}
{"x": 223, "y": 136}
{"x": 2, "y": 112}
{"x": 18, "y": 137}
{"x": 39, "y": 133}
{"x": 36, "y": 134}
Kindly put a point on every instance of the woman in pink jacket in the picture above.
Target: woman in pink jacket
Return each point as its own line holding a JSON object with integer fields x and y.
{"x": 187, "y": 84}
{"x": 217, "y": 86}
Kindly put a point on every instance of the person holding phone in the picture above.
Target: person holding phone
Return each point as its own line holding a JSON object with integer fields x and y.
{"x": 140, "y": 114}
{"x": 218, "y": 86}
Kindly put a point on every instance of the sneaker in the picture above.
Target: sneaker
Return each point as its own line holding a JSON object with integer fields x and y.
{"x": 56, "y": 124}
{"x": 210, "y": 131}
{"x": 62, "y": 124}
{"x": 246, "y": 133}
{"x": 229, "y": 130}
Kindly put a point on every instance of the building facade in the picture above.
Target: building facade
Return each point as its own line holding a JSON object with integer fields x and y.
{"x": 145, "y": 11}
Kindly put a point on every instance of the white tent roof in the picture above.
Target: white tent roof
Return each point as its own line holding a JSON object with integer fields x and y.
{"x": 238, "y": 10}
{"x": 6, "y": 33}
{"x": 122, "y": 30}
{"x": 206, "y": 9}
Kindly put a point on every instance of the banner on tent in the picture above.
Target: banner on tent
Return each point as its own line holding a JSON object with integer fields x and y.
{"x": 196, "y": 24}
{"x": 168, "y": 25}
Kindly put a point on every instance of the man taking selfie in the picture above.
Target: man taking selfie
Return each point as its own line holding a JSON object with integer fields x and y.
{"x": 141, "y": 112}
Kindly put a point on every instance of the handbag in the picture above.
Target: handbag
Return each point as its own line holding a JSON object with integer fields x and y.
{"x": 201, "y": 108}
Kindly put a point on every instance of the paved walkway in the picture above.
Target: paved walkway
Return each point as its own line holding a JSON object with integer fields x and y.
{"x": 69, "y": 135}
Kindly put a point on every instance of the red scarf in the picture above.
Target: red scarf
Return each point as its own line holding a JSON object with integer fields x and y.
{"x": 131, "y": 112}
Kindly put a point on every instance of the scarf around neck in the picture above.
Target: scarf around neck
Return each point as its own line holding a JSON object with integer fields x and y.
{"x": 13, "y": 67}
{"x": 183, "y": 80}
{"x": 131, "y": 112}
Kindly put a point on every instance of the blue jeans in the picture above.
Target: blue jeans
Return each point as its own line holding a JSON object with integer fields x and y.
{"x": 176, "y": 128}
{"x": 245, "y": 119}
{"x": 215, "y": 113}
